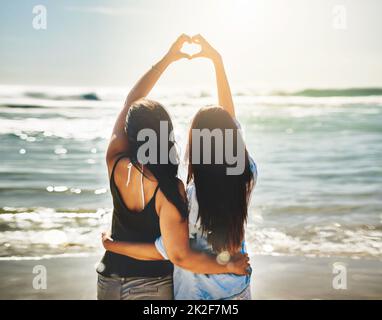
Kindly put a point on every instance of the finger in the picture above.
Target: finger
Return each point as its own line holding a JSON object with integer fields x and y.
{"x": 198, "y": 39}
{"x": 201, "y": 38}
{"x": 183, "y": 55}
{"x": 188, "y": 38}
{"x": 183, "y": 38}
{"x": 198, "y": 55}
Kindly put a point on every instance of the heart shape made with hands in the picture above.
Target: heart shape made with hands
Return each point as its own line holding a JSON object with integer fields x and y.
{"x": 191, "y": 48}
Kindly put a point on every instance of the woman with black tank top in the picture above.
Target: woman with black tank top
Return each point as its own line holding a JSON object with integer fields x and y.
{"x": 149, "y": 200}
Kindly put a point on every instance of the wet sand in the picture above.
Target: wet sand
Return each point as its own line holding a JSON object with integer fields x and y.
{"x": 274, "y": 278}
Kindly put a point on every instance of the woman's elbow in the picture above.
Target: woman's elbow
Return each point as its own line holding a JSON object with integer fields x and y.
{"x": 177, "y": 258}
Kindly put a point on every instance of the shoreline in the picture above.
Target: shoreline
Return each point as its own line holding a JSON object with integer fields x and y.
{"x": 274, "y": 277}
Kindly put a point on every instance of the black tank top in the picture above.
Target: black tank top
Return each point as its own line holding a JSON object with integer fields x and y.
{"x": 133, "y": 227}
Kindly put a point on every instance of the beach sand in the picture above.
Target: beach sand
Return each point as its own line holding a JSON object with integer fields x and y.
{"x": 274, "y": 278}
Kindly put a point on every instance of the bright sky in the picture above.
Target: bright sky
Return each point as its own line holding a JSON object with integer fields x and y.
{"x": 267, "y": 43}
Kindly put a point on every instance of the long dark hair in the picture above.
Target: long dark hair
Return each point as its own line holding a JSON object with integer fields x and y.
{"x": 147, "y": 114}
{"x": 222, "y": 199}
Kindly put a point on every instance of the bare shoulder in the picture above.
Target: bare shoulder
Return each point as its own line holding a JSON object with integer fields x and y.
{"x": 111, "y": 162}
{"x": 120, "y": 170}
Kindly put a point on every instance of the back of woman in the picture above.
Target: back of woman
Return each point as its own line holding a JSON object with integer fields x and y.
{"x": 218, "y": 205}
{"x": 134, "y": 219}
{"x": 134, "y": 187}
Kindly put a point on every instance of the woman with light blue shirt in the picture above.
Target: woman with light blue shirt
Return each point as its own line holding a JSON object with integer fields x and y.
{"x": 221, "y": 178}
{"x": 193, "y": 286}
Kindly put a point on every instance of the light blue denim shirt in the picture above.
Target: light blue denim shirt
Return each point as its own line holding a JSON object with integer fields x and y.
{"x": 192, "y": 286}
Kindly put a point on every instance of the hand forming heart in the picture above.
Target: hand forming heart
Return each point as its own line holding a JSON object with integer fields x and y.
{"x": 207, "y": 51}
{"x": 192, "y": 47}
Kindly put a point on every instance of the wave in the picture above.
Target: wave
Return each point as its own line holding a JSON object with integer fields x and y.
{"x": 92, "y": 96}
{"x": 118, "y": 94}
{"x": 51, "y": 256}
{"x": 23, "y": 106}
{"x": 30, "y": 213}
{"x": 54, "y": 232}
{"x": 29, "y": 103}
{"x": 51, "y": 189}
{"x": 347, "y": 92}
{"x": 333, "y": 240}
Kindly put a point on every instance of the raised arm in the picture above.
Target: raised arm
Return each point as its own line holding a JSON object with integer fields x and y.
{"x": 119, "y": 142}
{"x": 224, "y": 91}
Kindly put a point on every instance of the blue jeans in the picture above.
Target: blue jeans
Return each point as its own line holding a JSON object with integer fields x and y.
{"x": 134, "y": 288}
{"x": 244, "y": 295}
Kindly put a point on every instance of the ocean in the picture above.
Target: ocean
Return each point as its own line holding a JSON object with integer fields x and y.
{"x": 319, "y": 156}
